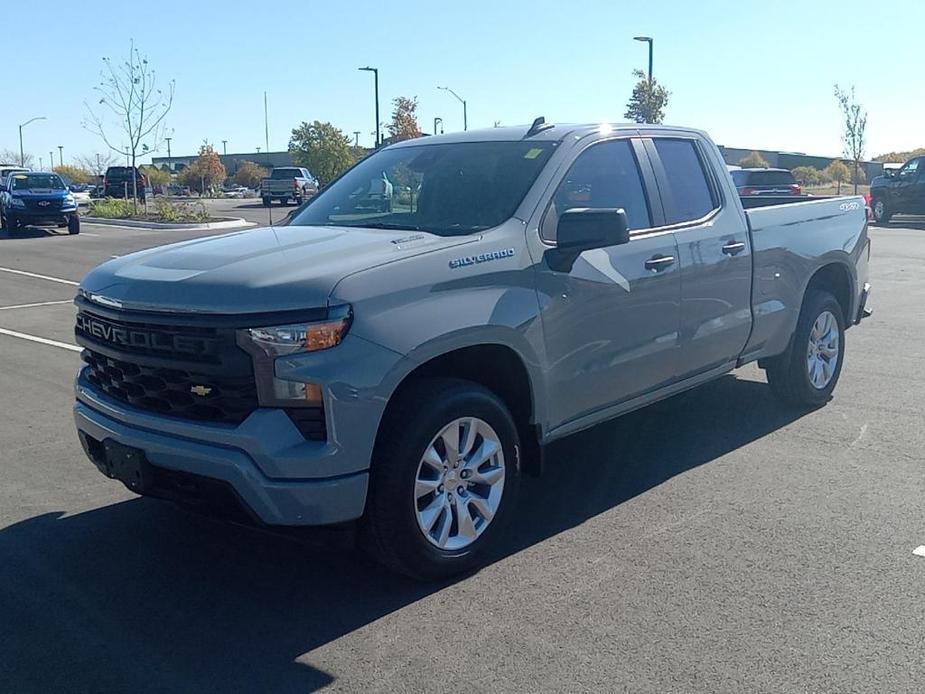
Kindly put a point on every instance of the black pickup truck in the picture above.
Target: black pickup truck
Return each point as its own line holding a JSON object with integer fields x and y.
{"x": 900, "y": 192}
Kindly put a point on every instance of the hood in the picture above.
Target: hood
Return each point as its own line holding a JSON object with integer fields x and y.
{"x": 254, "y": 271}
{"x": 43, "y": 193}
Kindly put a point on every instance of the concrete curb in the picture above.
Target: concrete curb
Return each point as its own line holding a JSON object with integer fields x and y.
{"x": 233, "y": 223}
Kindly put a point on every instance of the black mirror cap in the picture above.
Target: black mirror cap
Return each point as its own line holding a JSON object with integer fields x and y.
{"x": 585, "y": 228}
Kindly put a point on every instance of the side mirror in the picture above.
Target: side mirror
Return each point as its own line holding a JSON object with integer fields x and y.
{"x": 889, "y": 173}
{"x": 584, "y": 229}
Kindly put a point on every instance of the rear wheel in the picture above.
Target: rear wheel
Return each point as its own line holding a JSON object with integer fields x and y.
{"x": 807, "y": 373}
{"x": 12, "y": 224}
{"x": 882, "y": 213}
{"x": 73, "y": 225}
{"x": 266, "y": 202}
{"x": 443, "y": 481}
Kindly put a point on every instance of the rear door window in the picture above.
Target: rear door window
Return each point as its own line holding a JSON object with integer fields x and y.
{"x": 771, "y": 178}
{"x": 690, "y": 195}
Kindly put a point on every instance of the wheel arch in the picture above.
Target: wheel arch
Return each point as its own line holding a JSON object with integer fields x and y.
{"x": 495, "y": 365}
{"x": 836, "y": 278}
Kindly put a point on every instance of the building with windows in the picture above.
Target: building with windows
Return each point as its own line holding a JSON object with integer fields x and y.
{"x": 791, "y": 160}
{"x": 231, "y": 162}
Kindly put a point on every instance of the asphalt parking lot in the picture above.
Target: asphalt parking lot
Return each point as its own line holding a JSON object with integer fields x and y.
{"x": 715, "y": 542}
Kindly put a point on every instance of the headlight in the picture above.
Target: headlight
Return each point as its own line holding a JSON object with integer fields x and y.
{"x": 69, "y": 200}
{"x": 17, "y": 203}
{"x": 265, "y": 344}
{"x": 281, "y": 340}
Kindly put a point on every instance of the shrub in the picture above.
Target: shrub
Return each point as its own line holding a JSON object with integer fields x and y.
{"x": 111, "y": 208}
{"x": 754, "y": 161}
{"x": 172, "y": 212}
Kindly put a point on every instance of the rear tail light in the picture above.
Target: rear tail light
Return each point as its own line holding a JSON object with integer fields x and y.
{"x": 295, "y": 183}
{"x": 747, "y": 191}
{"x": 795, "y": 190}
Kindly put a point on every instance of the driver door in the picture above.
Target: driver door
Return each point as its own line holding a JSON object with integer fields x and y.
{"x": 611, "y": 321}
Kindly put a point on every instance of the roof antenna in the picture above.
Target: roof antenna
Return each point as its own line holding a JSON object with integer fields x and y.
{"x": 539, "y": 125}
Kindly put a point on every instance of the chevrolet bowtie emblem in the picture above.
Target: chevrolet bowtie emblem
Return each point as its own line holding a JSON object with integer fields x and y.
{"x": 201, "y": 391}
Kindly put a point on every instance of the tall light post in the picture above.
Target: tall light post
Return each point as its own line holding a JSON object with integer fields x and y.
{"x": 169, "y": 164}
{"x": 51, "y": 160}
{"x": 375, "y": 72}
{"x": 650, "y": 41}
{"x": 224, "y": 148}
{"x": 60, "y": 155}
{"x": 22, "y": 156}
{"x": 439, "y": 120}
{"x": 462, "y": 101}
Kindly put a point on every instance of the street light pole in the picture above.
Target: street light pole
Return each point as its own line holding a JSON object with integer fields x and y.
{"x": 356, "y": 139}
{"x": 60, "y": 155}
{"x": 439, "y": 120}
{"x": 22, "y": 156}
{"x": 462, "y": 101}
{"x": 650, "y": 41}
{"x": 375, "y": 72}
{"x": 225, "y": 148}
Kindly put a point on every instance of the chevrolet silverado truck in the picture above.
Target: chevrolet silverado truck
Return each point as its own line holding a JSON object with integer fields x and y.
{"x": 287, "y": 183}
{"x": 899, "y": 192}
{"x": 402, "y": 368}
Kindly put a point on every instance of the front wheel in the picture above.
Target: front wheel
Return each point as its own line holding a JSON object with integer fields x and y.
{"x": 882, "y": 213}
{"x": 267, "y": 201}
{"x": 73, "y": 225}
{"x": 444, "y": 479}
{"x": 806, "y": 374}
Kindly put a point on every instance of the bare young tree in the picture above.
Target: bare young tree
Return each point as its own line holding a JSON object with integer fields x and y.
{"x": 131, "y": 104}
{"x": 8, "y": 156}
{"x": 97, "y": 162}
{"x": 855, "y": 125}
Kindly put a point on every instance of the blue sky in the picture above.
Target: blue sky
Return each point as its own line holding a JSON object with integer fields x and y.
{"x": 752, "y": 74}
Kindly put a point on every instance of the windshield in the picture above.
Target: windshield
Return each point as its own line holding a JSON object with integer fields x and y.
{"x": 443, "y": 189}
{"x": 32, "y": 181}
{"x": 285, "y": 173}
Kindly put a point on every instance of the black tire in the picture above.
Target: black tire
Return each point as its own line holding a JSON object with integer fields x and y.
{"x": 12, "y": 224}
{"x": 3, "y": 224}
{"x": 882, "y": 212}
{"x": 788, "y": 373}
{"x": 390, "y": 530}
{"x": 73, "y": 225}
{"x": 284, "y": 201}
{"x": 267, "y": 202}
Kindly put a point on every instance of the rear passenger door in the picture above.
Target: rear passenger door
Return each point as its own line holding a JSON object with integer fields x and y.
{"x": 714, "y": 254}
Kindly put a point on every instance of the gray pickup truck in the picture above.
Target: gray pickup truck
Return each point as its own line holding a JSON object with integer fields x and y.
{"x": 287, "y": 183}
{"x": 403, "y": 367}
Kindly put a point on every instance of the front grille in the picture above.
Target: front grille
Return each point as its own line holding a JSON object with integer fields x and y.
{"x": 173, "y": 392}
{"x": 39, "y": 206}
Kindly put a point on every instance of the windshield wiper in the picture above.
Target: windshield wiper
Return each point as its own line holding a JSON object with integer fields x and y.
{"x": 383, "y": 225}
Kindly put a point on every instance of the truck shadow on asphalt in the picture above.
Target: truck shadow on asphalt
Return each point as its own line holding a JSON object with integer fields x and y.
{"x": 138, "y": 596}
{"x": 31, "y": 233}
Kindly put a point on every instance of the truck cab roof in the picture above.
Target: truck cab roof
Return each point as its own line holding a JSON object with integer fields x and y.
{"x": 550, "y": 132}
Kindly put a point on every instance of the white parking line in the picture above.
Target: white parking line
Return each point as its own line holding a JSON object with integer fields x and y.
{"x": 40, "y": 340}
{"x": 40, "y": 303}
{"x": 40, "y": 277}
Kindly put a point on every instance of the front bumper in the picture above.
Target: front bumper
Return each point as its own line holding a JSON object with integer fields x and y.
{"x": 39, "y": 217}
{"x": 279, "y": 477}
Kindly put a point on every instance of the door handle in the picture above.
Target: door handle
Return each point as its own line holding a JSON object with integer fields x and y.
{"x": 733, "y": 248}
{"x": 657, "y": 263}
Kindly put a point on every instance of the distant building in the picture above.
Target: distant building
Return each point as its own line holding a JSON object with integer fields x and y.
{"x": 791, "y": 160}
{"x": 230, "y": 161}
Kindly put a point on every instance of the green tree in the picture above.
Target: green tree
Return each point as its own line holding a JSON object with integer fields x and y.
{"x": 837, "y": 171}
{"x": 807, "y": 175}
{"x": 404, "y": 125}
{"x": 648, "y": 101}
{"x": 249, "y": 174}
{"x": 74, "y": 174}
{"x": 900, "y": 157}
{"x": 322, "y": 148}
{"x": 754, "y": 161}
{"x": 855, "y": 123}
{"x": 157, "y": 177}
{"x": 206, "y": 173}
